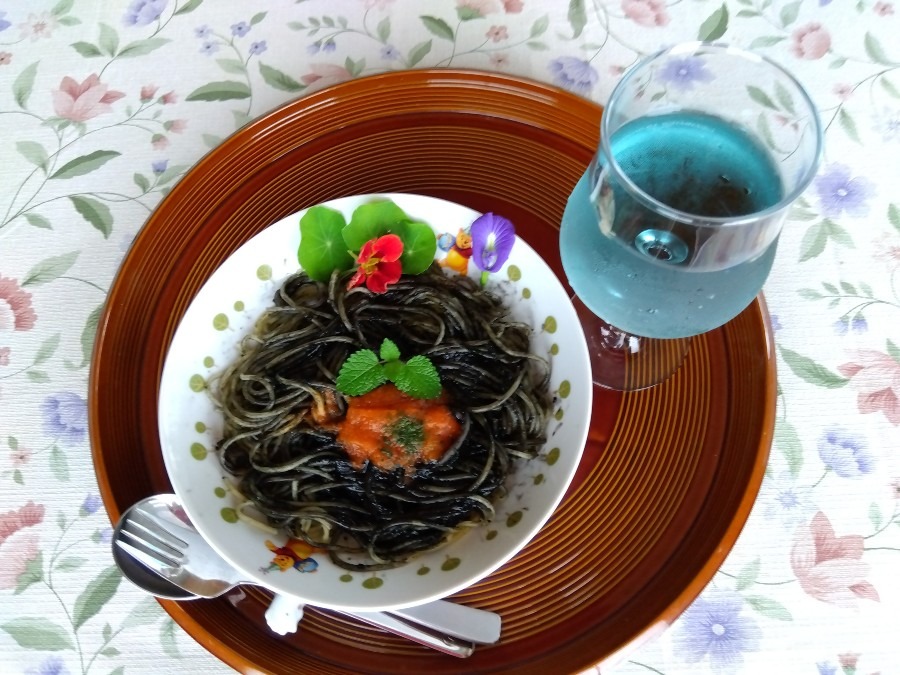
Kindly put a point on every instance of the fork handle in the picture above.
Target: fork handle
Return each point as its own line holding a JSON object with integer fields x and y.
{"x": 393, "y": 624}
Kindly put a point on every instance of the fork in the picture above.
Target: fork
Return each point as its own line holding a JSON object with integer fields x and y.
{"x": 188, "y": 561}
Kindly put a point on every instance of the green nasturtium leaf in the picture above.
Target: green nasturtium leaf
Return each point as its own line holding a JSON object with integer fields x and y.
{"x": 322, "y": 249}
{"x": 419, "y": 246}
{"x": 372, "y": 220}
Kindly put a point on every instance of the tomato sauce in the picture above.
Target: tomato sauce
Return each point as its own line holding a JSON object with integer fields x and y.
{"x": 391, "y": 429}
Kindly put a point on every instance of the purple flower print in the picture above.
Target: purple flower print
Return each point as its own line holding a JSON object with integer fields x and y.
{"x": 104, "y": 536}
{"x": 143, "y": 12}
{"x": 209, "y": 48}
{"x": 65, "y": 416}
{"x": 314, "y": 48}
{"x": 52, "y": 665}
{"x": 776, "y": 322}
{"x": 258, "y": 47}
{"x": 783, "y": 501}
{"x": 715, "y": 626}
{"x": 575, "y": 74}
{"x": 390, "y": 53}
{"x": 3, "y": 23}
{"x": 240, "y": 29}
{"x": 826, "y": 667}
{"x": 492, "y": 240}
{"x": 839, "y": 192}
{"x": 683, "y": 73}
{"x": 857, "y": 325}
{"x": 160, "y": 165}
{"x": 203, "y": 31}
{"x": 329, "y": 46}
{"x": 845, "y": 453}
{"x": 90, "y": 505}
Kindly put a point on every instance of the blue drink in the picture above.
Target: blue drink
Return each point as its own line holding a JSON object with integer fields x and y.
{"x": 658, "y": 276}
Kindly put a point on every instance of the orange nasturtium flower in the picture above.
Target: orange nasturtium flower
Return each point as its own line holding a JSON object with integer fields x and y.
{"x": 379, "y": 263}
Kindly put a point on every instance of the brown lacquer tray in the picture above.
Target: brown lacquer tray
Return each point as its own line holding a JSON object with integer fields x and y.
{"x": 669, "y": 474}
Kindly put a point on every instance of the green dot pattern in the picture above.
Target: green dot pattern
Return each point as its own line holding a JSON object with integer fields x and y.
{"x": 200, "y": 427}
{"x": 373, "y": 583}
{"x": 450, "y": 564}
{"x": 198, "y": 451}
{"x": 220, "y": 322}
{"x": 492, "y": 534}
{"x": 264, "y": 272}
{"x": 513, "y": 518}
{"x": 558, "y": 415}
{"x": 554, "y": 349}
{"x": 346, "y": 578}
{"x": 565, "y": 388}
{"x": 422, "y": 571}
{"x": 552, "y": 456}
{"x": 526, "y": 293}
{"x": 197, "y": 383}
{"x": 209, "y": 362}
{"x": 514, "y": 273}
{"x": 229, "y": 515}
{"x": 220, "y": 492}
{"x": 539, "y": 479}
{"x": 550, "y": 324}
{"x": 239, "y": 306}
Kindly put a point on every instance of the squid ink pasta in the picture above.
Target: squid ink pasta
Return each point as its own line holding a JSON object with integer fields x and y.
{"x": 296, "y": 459}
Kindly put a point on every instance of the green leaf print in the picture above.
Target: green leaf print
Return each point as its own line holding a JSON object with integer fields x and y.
{"x": 875, "y": 51}
{"x": 278, "y": 79}
{"x": 715, "y": 25}
{"x": 188, "y": 7}
{"x": 419, "y": 52}
{"x": 226, "y": 90}
{"x": 96, "y": 594}
{"x": 769, "y": 608}
{"x": 84, "y": 164}
{"x": 788, "y": 441}
{"x": 108, "y": 40}
{"x": 24, "y": 84}
{"x": 38, "y": 633}
{"x": 34, "y": 153}
{"x": 47, "y": 349}
{"x": 577, "y": 17}
{"x": 86, "y": 49}
{"x": 810, "y": 371}
{"x": 748, "y": 575}
{"x": 95, "y": 212}
{"x": 438, "y": 27}
{"x": 50, "y": 268}
{"x": 88, "y": 333}
{"x": 142, "y": 47}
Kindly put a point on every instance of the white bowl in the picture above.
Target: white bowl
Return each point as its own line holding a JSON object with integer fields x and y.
{"x": 207, "y": 339}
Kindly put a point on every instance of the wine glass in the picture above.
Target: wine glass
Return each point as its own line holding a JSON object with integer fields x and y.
{"x": 673, "y": 228}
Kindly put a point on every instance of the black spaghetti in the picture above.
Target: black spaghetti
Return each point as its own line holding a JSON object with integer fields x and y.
{"x": 295, "y": 472}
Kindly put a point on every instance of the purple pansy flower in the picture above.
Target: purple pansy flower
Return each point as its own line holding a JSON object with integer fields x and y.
{"x": 203, "y": 31}
{"x": 143, "y": 12}
{"x": 682, "y": 73}
{"x": 575, "y": 74}
{"x": 845, "y": 453}
{"x": 3, "y": 23}
{"x": 90, "y": 505}
{"x": 160, "y": 165}
{"x": 52, "y": 665}
{"x": 492, "y": 240}
{"x": 258, "y": 47}
{"x": 715, "y": 626}
{"x": 840, "y": 192}
{"x": 390, "y": 53}
{"x": 65, "y": 416}
{"x": 209, "y": 48}
{"x": 240, "y": 29}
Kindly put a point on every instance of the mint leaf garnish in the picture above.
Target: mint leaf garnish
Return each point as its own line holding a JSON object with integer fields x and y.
{"x": 361, "y": 373}
{"x": 419, "y": 378}
{"x": 389, "y": 350}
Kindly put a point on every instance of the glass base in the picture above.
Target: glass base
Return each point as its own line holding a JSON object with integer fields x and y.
{"x": 625, "y": 362}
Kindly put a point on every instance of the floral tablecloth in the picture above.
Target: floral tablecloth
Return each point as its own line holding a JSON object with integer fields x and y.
{"x": 104, "y": 104}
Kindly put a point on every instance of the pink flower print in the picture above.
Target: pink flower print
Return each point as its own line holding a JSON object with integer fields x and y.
{"x": 876, "y": 376}
{"x": 810, "y": 42}
{"x": 843, "y": 91}
{"x": 159, "y": 142}
{"x": 831, "y": 568}
{"x": 15, "y": 554}
{"x": 176, "y": 126}
{"x": 148, "y": 91}
{"x": 887, "y": 249}
{"x": 38, "y": 26}
{"x": 25, "y": 516}
{"x": 512, "y": 6}
{"x": 497, "y": 33}
{"x": 477, "y": 8}
{"x": 15, "y": 307}
{"x": 883, "y": 8}
{"x": 325, "y": 74}
{"x": 168, "y": 98}
{"x": 4, "y": 356}
{"x": 895, "y": 488}
{"x": 81, "y": 102}
{"x": 20, "y": 456}
{"x": 5, "y": 58}
{"x": 646, "y": 12}
{"x": 499, "y": 60}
